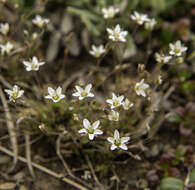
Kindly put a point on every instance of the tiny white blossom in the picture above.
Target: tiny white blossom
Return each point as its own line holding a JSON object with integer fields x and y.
{"x": 141, "y": 87}
{"x": 114, "y": 116}
{"x": 149, "y": 25}
{"x": 116, "y": 34}
{"x": 4, "y": 28}
{"x": 7, "y": 48}
{"x": 33, "y": 65}
{"x": 55, "y": 95}
{"x": 110, "y": 12}
{"x": 83, "y": 92}
{"x": 39, "y": 21}
{"x": 127, "y": 104}
{"x": 15, "y": 93}
{"x": 91, "y": 130}
{"x": 161, "y": 58}
{"x": 97, "y": 51}
{"x": 177, "y": 48}
{"x": 139, "y": 18}
{"x": 117, "y": 141}
{"x": 115, "y": 101}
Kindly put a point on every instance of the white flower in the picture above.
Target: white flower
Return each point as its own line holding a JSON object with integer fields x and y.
{"x": 139, "y": 18}
{"x": 6, "y": 48}
{"x": 161, "y": 58}
{"x": 115, "y": 101}
{"x": 83, "y": 92}
{"x": 91, "y": 130}
{"x": 117, "y": 141}
{"x": 15, "y": 93}
{"x": 39, "y": 21}
{"x": 114, "y": 116}
{"x": 110, "y": 12}
{"x": 127, "y": 104}
{"x": 117, "y": 34}
{"x": 33, "y": 65}
{"x": 4, "y": 28}
{"x": 55, "y": 95}
{"x": 177, "y": 49}
{"x": 141, "y": 87}
{"x": 149, "y": 25}
{"x": 97, "y": 51}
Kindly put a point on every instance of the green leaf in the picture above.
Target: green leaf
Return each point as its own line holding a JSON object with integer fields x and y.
{"x": 88, "y": 18}
{"x": 171, "y": 183}
{"x": 192, "y": 176}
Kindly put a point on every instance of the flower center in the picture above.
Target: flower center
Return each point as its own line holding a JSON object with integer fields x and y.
{"x": 117, "y": 142}
{"x": 116, "y": 35}
{"x": 34, "y": 66}
{"x": 97, "y": 54}
{"x": 137, "y": 88}
{"x": 110, "y": 14}
{"x": 90, "y": 131}
{"x": 177, "y": 50}
{"x": 15, "y": 94}
{"x": 116, "y": 103}
{"x": 84, "y": 94}
{"x": 56, "y": 97}
{"x": 115, "y": 118}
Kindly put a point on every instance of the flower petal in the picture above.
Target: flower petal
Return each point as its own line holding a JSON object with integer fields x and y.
{"x": 51, "y": 91}
{"x": 76, "y": 94}
{"x": 124, "y": 139}
{"x": 98, "y": 132}
{"x": 59, "y": 91}
{"x": 110, "y": 139}
{"x": 123, "y": 146}
{"x": 88, "y": 88}
{"x": 86, "y": 123}
{"x": 79, "y": 89}
{"x": 96, "y": 124}
{"x": 116, "y": 135}
{"x": 82, "y": 131}
{"x": 113, "y": 147}
{"x": 91, "y": 136}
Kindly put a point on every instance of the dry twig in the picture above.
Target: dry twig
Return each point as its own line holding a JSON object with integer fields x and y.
{"x": 45, "y": 170}
{"x": 11, "y": 129}
{"x": 93, "y": 173}
{"x": 28, "y": 154}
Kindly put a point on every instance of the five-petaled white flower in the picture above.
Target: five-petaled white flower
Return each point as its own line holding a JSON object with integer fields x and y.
{"x": 116, "y": 34}
{"x": 161, "y": 58}
{"x": 40, "y": 21}
{"x": 55, "y": 95}
{"x": 97, "y": 51}
{"x": 114, "y": 116}
{"x": 110, "y": 12}
{"x": 83, "y": 92}
{"x": 141, "y": 87}
{"x": 139, "y": 18}
{"x": 7, "y": 48}
{"x": 117, "y": 141}
{"x": 91, "y": 130}
{"x": 115, "y": 101}
{"x": 177, "y": 48}
{"x": 127, "y": 104}
{"x": 4, "y": 28}
{"x": 15, "y": 93}
{"x": 33, "y": 65}
{"x": 149, "y": 25}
